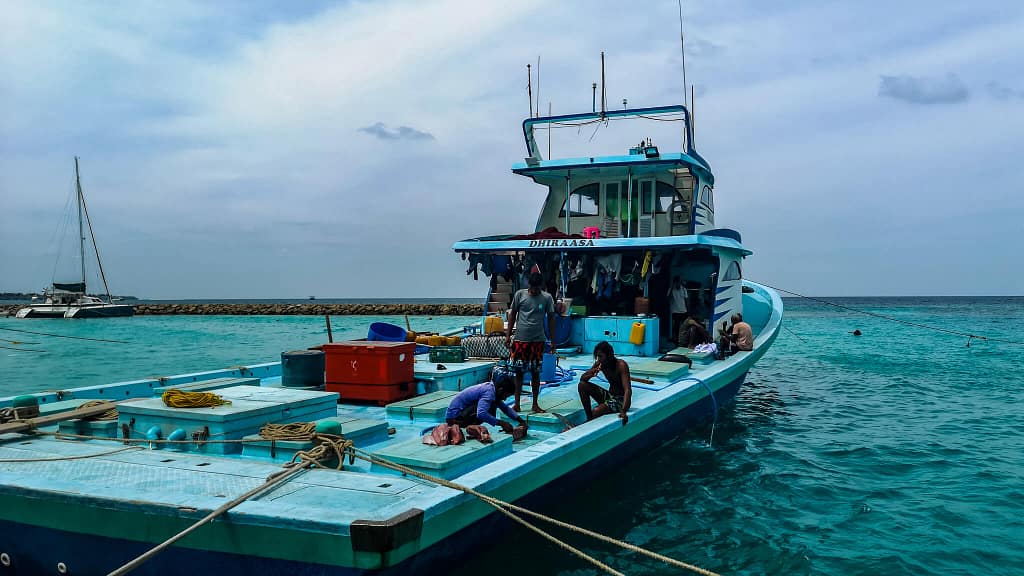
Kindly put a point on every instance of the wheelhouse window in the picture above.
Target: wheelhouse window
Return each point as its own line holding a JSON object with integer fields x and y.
{"x": 733, "y": 272}
{"x": 666, "y": 196}
{"x": 583, "y": 201}
{"x": 707, "y": 197}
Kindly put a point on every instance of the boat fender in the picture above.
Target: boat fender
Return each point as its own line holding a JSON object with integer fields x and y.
{"x": 153, "y": 433}
{"x": 178, "y": 434}
{"x": 329, "y": 427}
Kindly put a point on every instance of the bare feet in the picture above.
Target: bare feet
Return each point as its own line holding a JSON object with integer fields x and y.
{"x": 516, "y": 409}
{"x": 537, "y": 409}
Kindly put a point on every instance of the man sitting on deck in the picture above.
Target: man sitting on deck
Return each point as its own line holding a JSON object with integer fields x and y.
{"x": 619, "y": 393}
{"x": 739, "y": 337}
{"x": 480, "y": 403}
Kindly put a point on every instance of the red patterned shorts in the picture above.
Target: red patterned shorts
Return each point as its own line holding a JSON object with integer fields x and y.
{"x": 526, "y": 356}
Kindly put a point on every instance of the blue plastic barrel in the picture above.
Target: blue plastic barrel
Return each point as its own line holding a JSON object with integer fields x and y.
{"x": 384, "y": 332}
{"x": 302, "y": 368}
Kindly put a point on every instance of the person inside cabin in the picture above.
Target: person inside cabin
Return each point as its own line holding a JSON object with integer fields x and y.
{"x": 693, "y": 333}
{"x": 530, "y": 308}
{"x": 479, "y": 404}
{"x": 617, "y": 397}
{"x": 737, "y": 338}
{"x": 677, "y": 306}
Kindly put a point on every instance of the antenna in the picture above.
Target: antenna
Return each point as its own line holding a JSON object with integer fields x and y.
{"x": 529, "y": 88}
{"x": 682, "y": 48}
{"x": 538, "y": 85}
{"x": 549, "y": 130}
{"x": 604, "y": 90}
{"x": 693, "y": 121}
{"x": 593, "y": 103}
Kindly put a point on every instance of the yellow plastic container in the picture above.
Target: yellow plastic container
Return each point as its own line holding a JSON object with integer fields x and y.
{"x": 436, "y": 340}
{"x": 637, "y": 332}
{"x": 493, "y": 324}
{"x": 425, "y": 340}
{"x": 454, "y": 341}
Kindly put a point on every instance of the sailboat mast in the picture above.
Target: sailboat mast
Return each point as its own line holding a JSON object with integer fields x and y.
{"x": 81, "y": 228}
{"x": 92, "y": 235}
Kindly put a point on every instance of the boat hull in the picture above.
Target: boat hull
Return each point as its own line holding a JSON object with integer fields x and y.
{"x": 96, "y": 311}
{"x": 35, "y": 549}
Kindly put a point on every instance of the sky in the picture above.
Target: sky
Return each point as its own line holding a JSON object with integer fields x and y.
{"x": 285, "y": 149}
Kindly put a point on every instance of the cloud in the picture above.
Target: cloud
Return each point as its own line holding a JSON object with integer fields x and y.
{"x": 924, "y": 90}
{"x": 380, "y": 130}
{"x": 1001, "y": 92}
{"x": 701, "y": 48}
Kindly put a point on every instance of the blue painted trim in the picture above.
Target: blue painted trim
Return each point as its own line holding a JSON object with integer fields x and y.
{"x": 722, "y": 301}
{"x": 721, "y": 289}
{"x": 638, "y": 164}
{"x": 718, "y": 316}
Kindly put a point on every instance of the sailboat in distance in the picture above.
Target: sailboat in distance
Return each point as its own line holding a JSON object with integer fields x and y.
{"x": 69, "y": 299}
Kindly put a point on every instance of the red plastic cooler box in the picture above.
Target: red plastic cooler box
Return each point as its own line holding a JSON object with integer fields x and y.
{"x": 369, "y": 363}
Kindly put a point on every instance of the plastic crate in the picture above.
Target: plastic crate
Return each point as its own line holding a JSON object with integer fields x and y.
{"x": 447, "y": 354}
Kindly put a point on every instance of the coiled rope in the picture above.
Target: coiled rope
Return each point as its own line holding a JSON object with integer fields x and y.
{"x": 328, "y": 448}
{"x": 180, "y": 399}
{"x": 108, "y": 415}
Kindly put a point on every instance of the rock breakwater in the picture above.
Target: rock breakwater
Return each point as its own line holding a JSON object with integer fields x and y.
{"x": 295, "y": 309}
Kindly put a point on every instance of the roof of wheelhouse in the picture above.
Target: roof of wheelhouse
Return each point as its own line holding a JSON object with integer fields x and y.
{"x": 539, "y": 169}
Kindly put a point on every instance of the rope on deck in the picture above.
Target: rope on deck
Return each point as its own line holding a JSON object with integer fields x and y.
{"x": 175, "y": 398}
{"x": 108, "y": 415}
{"x": 305, "y": 460}
{"x": 59, "y": 458}
{"x": 337, "y": 447}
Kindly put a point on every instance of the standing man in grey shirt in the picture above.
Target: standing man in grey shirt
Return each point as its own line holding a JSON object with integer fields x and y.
{"x": 530, "y": 307}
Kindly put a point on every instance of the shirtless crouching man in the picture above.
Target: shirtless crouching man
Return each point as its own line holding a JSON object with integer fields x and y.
{"x": 619, "y": 393}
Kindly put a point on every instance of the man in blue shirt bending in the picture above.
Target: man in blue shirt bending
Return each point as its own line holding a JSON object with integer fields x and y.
{"x": 478, "y": 404}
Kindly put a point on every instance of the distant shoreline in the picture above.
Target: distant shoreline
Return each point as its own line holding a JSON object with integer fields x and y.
{"x": 295, "y": 309}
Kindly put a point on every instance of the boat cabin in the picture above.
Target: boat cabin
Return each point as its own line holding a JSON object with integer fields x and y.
{"x": 613, "y": 236}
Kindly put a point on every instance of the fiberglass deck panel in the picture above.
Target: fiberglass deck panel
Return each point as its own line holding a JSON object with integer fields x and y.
{"x": 445, "y": 461}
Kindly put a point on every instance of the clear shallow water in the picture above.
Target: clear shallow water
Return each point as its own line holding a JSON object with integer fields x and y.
{"x": 897, "y": 452}
{"x": 168, "y": 345}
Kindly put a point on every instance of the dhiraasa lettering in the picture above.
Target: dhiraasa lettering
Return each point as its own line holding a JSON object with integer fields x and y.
{"x": 560, "y": 243}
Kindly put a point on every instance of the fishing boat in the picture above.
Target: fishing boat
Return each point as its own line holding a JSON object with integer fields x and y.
{"x": 86, "y": 496}
{"x": 70, "y": 299}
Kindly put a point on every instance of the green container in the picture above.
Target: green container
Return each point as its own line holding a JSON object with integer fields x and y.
{"x": 25, "y": 401}
{"x": 447, "y": 354}
{"x": 578, "y": 310}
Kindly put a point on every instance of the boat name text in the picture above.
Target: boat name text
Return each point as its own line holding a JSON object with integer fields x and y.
{"x": 560, "y": 243}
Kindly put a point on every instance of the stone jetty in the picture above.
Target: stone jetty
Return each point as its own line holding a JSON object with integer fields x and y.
{"x": 311, "y": 309}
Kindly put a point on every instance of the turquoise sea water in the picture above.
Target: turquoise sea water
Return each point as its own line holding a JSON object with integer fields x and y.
{"x": 900, "y": 451}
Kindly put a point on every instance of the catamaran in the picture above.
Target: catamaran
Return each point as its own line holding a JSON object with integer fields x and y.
{"x": 69, "y": 299}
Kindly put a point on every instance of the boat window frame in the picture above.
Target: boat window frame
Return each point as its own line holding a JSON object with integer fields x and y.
{"x": 579, "y": 193}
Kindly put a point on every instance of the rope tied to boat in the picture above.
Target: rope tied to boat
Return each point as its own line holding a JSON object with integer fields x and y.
{"x": 175, "y": 398}
{"x": 12, "y": 414}
{"x": 328, "y": 447}
{"x": 108, "y": 415}
{"x": 331, "y": 447}
{"x": 509, "y": 510}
